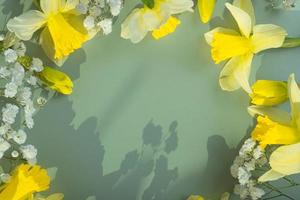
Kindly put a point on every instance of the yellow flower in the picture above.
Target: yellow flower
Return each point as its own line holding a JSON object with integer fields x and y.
{"x": 206, "y": 8}
{"x": 63, "y": 30}
{"x": 195, "y": 197}
{"x": 25, "y": 181}
{"x": 56, "y": 80}
{"x": 166, "y": 29}
{"x": 239, "y": 47}
{"x": 145, "y": 19}
{"x": 278, "y": 127}
{"x": 269, "y": 93}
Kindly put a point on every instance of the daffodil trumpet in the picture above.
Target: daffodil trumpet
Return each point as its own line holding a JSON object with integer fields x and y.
{"x": 238, "y": 48}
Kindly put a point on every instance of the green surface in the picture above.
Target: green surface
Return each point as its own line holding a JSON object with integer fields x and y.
{"x": 108, "y": 138}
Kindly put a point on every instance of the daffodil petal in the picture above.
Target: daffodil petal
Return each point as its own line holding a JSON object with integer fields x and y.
{"x": 236, "y": 72}
{"x": 206, "y": 9}
{"x": 195, "y": 197}
{"x": 166, "y": 29}
{"x": 70, "y": 5}
{"x": 26, "y": 24}
{"x": 294, "y": 95}
{"x": 242, "y": 18}
{"x": 133, "y": 28}
{"x": 267, "y": 36}
{"x": 209, "y": 35}
{"x": 177, "y": 6}
{"x": 247, "y": 6}
{"x": 57, "y": 196}
{"x": 275, "y": 114}
{"x": 286, "y": 159}
{"x": 270, "y": 175}
{"x": 52, "y": 6}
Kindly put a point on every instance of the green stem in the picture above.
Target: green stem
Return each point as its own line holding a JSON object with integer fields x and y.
{"x": 291, "y": 42}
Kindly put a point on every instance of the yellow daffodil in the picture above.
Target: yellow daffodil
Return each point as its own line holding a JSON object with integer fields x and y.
{"x": 278, "y": 127}
{"x": 239, "y": 47}
{"x": 269, "y": 93}
{"x": 25, "y": 181}
{"x": 206, "y": 8}
{"x": 195, "y": 197}
{"x": 63, "y": 30}
{"x": 158, "y": 19}
{"x": 56, "y": 80}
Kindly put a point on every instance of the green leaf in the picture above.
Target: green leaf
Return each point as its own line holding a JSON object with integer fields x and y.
{"x": 149, "y": 3}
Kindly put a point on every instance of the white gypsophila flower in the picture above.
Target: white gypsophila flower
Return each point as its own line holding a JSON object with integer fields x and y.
{"x": 101, "y": 3}
{"x": 241, "y": 190}
{"x": 36, "y": 65}
{"x": 81, "y": 8}
{"x": 106, "y": 26}
{"x": 95, "y": 11}
{"x": 4, "y": 129}
{"x": 29, "y": 152}
{"x": 262, "y": 161}
{"x": 89, "y": 22}
{"x": 24, "y": 95}
{"x": 243, "y": 176}
{"x": 115, "y": 7}
{"x": 15, "y": 154}
{"x": 234, "y": 170}
{"x": 250, "y": 165}
{"x": 258, "y": 152}
{"x": 10, "y": 55}
{"x": 2, "y": 37}
{"x": 11, "y": 90}
{"x": 9, "y": 113}
{"x": 247, "y": 147}
{"x": 20, "y": 137}
{"x": 256, "y": 193}
{"x": 41, "y": 101}
{"x": 5, "y": 178}
{"x": 4, "y": 145}
{"x": 32, "y": 80}
{"x": 4, "y": 72}
{"x": 17, "y": 73}
{"x": 239, "y": 160}
{"x": 20, "y": 48}
{"x": 29, "y": 111}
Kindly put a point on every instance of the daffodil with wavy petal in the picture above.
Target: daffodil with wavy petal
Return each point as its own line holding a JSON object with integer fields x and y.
{"x": 238, "y": 48}
{"x": 62, "y": 28}
{"x": 25, "y": 181}
{"x": 278, "y": 127}
{"x": 158, "y": 19}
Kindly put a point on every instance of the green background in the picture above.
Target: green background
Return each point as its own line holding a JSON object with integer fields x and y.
{"x": 149, "y": 121}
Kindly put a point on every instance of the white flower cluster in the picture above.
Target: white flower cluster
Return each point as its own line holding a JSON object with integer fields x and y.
{"x": 100, "y": 14}
{"x": 250, "y": 157}
{"x": 17, "y": 84}
{"x": 282, "y": 3}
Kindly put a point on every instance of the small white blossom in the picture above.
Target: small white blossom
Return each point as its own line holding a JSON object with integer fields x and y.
{"x": 4, "y": 72}
{"x": 95, "y": 11}
{"x": 11, "y": 90}
{"x": 4, "y": 129}
{"x": 20, "y": 48}
{"x": 89, "y": 22}
{"x": 234, "y": 169}
{"x": 29, "y": 111}
{"x": 18, "y": 74}
{"x": 10, "y": 55}
{"x": 41, "y": 101}
{"x": 4, "y": 145}
{"x": 115, "y": 7}
{"x": 81, "y": 8}
{"x": 106, "y": 26}
{"x": 20, "y": 137}
{"x": 256, "y": 193}
{"x": 32, "y": 80}
{"x": 243, "y": 176}
{"x": 5, "y": 178}
{"x": 250, "y": 165}
{"x": 241, "y": 190}
{"x": 24, "y": 95}
{"x": 258, "y": 152}
{"x": 15, "y": 154}
{"x": 9, "y": 113}
{"x": 2, "y": 37}
{"x": 247, "y": 147}
{"x": 36, "y": 65}
{"x": 29, "y": 152}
